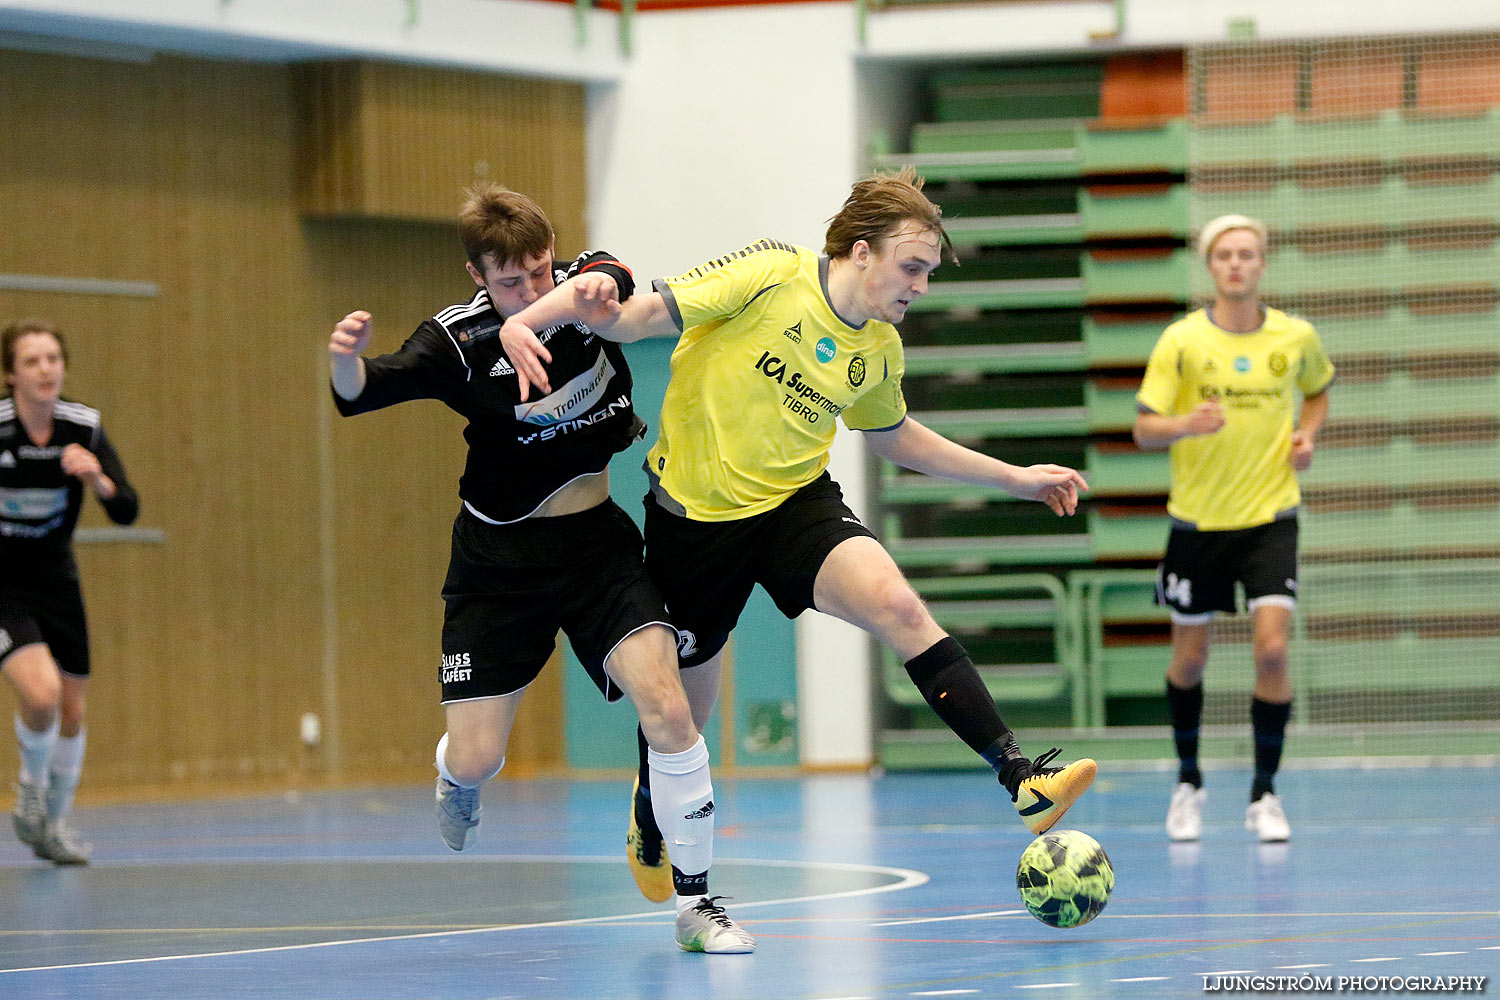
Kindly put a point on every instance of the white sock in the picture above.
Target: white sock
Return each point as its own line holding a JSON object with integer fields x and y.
{"x": 63, "y": 772}
{"x": 442, "y": 766}
{"x": 36, "y": 749}
{"x": 682, "y": 800}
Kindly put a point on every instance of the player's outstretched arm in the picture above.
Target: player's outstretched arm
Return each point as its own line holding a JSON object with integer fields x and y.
{"x": 921, "y": 449}
{"x": 351, "y": 336}
{"x": 644, "y": 315}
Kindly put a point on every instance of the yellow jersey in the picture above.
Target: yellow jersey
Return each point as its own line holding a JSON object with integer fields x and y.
{"x": 763, "y": 369}
{"x": 1241, "y": 475}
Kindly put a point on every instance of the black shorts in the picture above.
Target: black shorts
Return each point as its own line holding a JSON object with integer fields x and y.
{"x": 512, "y": 587}
{"x": 49, "y": 611}
{"x": 707, "y": 569}
{"x": 1198, "y": 573}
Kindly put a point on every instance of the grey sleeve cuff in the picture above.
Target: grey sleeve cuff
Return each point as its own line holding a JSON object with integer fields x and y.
{"x": 660, "y": 287}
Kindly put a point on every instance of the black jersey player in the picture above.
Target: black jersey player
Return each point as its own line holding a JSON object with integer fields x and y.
{"x": 538, "y": 545}
{"x": 52, "y": 451}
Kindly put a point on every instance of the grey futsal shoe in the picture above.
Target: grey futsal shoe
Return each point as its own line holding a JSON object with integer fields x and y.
{"x": 61, "y": 845}
{"x": 458, "y": 811}
{"x": 29, "y": 817}
{"x": 705, "y": 927}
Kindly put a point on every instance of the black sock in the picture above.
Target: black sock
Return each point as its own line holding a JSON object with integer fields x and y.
{"x": 689, "y": 885}
{"x": 644, "y": 817}
{"x": 1268, "y": 721}
{"x": 947, "y": 679}
{"x": 1186, "y": 708}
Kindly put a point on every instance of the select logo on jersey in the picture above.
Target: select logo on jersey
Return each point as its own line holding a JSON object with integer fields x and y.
{"x": 1277, "y": 363}
{"x": 826, "y": 350}
{"x": 1209, "y": 366}
{"x": 857, "y": 371}
{"x": 1242, "y": 364}
{"x": 502, "y": 367}
{"x": 7, "y": 460}
{"x": 456, "y": 667}
{"x": 793, "y": 332}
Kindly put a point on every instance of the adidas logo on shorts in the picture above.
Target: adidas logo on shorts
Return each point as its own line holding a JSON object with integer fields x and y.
{"x": 502, "y": 367}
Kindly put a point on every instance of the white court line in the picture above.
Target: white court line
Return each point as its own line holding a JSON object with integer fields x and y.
{"x": 908, "y": 879}
{"x": 942, "y": 993}
{"x": 1141, "y": 979}
{"x": 1432, "y": 954}
{"x": 939, "y": 920}
{"x": 1388, "y": 959}
{"x": 1045, "y": 986}
{"x": 1319, "y": 916}
{"x": 1491, "y": 947}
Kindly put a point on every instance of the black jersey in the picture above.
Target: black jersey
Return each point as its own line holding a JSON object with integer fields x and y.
{"x": 519, "y": 453}
{"x": 39, "y": 503}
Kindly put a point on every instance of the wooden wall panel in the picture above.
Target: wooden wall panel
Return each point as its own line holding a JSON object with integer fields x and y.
{"x": 210, "y": 647}
{"x": 396, "y": 141}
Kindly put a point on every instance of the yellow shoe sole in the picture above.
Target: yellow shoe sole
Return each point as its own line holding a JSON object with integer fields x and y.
{"x": 654, "y": 881}
{"x": 1043, "y": 800}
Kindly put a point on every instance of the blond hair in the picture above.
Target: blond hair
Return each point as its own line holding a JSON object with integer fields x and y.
{"x": 1218, "y": 227}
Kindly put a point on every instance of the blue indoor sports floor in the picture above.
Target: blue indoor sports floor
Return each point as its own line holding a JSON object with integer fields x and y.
{"x": 884, "y": 886}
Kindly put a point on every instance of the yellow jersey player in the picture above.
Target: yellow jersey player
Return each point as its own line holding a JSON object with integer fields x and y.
{"x": 777, "y": 344}
{"x": 1220, "y": 392}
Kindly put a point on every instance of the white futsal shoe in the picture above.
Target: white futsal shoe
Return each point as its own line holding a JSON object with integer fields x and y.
{"x": 705, "y": 927}
{"x": 1267, "y": 820}
{"x": 1185, "y": 813}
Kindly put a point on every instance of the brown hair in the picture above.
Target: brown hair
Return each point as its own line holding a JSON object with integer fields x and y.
{"x": 496, "y": 220}
{"x": 21, "y": 328}
{"x": 876, "y": 207}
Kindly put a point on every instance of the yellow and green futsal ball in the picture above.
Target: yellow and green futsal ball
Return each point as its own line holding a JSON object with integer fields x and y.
{"x": 1065, "y": 878}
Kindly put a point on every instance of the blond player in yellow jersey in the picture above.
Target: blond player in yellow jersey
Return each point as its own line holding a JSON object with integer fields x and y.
{"x": 777, "y": 344}
{"x": 1220, "y": 391}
